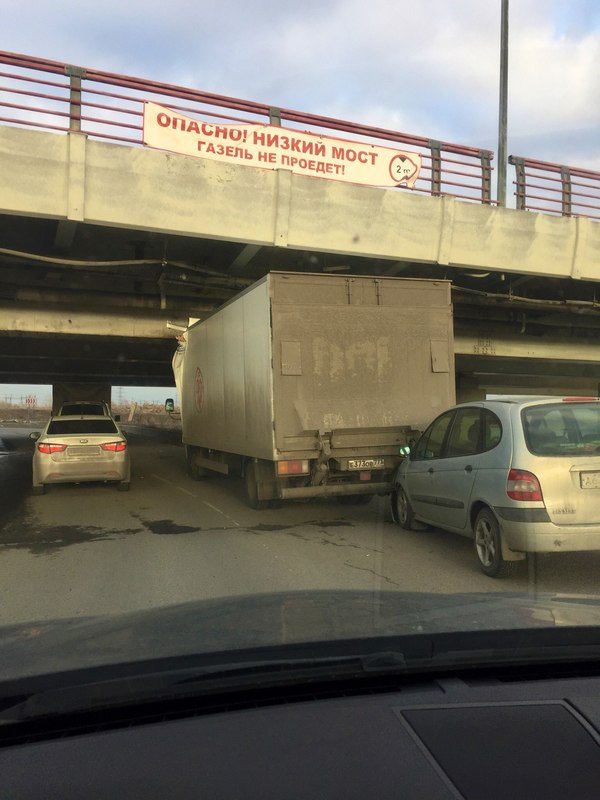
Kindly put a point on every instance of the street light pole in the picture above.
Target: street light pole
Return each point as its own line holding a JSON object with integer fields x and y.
{"x": 503, "y": 107}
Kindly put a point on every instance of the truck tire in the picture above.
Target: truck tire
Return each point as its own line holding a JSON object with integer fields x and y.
{"x": 251, "y": 483}
{"x": 195, "y": 472}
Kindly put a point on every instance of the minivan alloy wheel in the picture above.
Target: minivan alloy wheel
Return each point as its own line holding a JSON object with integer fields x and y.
{"x": 402, "y": 511}
{"x": 488, "y": 546}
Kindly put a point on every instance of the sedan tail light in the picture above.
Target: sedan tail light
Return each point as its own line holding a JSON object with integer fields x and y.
{"x": 47, "y": 447}
{"x": 115, "y": 447}
{"x": 523, "y": 485}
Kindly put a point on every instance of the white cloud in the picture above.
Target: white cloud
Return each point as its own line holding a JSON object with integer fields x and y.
{"x": 428, "y": 68}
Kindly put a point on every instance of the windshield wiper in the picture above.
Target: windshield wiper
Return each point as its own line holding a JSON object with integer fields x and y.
{"x": 173, "y": 684}
{"x": 421, "y": 656}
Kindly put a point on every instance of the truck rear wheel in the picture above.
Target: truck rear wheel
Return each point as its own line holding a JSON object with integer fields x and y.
{"x": 192, "y": 454}
{"x": 251, "y": 482}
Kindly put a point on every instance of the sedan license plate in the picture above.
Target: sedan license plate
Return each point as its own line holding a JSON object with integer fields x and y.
{"x": 83, "y": 450}
{"x": 590, "y": 480}
{"x": 366, "y": 463}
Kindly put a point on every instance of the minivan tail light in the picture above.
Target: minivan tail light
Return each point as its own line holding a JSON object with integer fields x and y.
{"x": 115, "y": 447}
{"x": 48, "y": 447}
{"x": 578, "y": 399}
{"x": 523, "y": 485}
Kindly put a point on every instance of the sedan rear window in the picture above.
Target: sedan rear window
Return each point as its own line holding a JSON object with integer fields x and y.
{"x": 75, "y": 426}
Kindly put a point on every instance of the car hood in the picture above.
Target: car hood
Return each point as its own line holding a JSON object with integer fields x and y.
{"x": 244, "y": 623}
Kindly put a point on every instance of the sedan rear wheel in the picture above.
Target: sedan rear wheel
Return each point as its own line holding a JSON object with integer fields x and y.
{"x": 488, "y": 545}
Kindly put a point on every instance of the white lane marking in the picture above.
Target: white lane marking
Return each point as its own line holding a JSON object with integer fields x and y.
{"x": 160, "y": 478}
{"x": 218, "y": 510}
{"x": 191, "y": 494}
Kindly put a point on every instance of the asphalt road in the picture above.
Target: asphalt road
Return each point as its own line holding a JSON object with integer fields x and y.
{"x": 89, "y": 549}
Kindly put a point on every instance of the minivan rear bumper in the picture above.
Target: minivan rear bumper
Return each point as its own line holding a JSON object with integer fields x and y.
{"x": 546, "y": 537}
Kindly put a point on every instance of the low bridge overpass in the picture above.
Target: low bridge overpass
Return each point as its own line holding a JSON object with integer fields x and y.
{"x": 103, "y": 240}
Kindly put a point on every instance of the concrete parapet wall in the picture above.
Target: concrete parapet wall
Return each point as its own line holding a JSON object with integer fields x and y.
{"x": 70, "y": 177}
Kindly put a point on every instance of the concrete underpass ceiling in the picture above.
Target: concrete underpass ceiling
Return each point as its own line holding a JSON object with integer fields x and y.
{"x": 61, "y": 266}
{"x": 54, "y": 358}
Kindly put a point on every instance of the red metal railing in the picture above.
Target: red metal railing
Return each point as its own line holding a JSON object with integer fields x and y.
{"x": 55, "y": 96}
{"x": 59, "y": 97}
{"x": 555, "y": 188}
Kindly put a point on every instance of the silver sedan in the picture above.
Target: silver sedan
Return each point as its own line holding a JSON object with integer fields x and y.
{"x": 74, "y": 449}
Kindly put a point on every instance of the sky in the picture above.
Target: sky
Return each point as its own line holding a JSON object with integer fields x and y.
{"x": 424, "y": 67}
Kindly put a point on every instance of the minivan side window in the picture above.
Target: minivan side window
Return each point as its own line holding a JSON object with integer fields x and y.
{"x": 431, "y": 443}
{"x": 465, "y": 434}
{"x": 492, "y": 430}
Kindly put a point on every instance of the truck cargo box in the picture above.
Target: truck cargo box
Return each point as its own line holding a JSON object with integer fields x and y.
{"x": 332, "y": 370}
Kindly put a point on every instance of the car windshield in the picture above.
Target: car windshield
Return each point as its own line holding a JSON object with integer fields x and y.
{"x": 300, "y": 334}
{"x": 74, "y": 427}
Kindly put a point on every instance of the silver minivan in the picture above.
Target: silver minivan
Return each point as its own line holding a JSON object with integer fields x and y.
{"x": 518, "y": 475}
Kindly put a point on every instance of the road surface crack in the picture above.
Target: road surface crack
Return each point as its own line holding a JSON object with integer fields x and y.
{"x": 372, "y": 571}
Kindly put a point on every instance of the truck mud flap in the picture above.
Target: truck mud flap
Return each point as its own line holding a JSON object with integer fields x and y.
{"x": 291, "y": 492}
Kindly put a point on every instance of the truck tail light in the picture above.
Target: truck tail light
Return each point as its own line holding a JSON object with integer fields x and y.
{"x": 115, "y": 447}
{"x": 47, "y": 447}
{"x": 292, "y": 467}
{"x": 522, "y": 485}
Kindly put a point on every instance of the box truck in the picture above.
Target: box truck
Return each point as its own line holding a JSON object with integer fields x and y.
{"x": 309, "y": 385}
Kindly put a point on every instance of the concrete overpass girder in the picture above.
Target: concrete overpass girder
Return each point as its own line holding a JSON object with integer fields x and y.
{"x": 51, "y": 175}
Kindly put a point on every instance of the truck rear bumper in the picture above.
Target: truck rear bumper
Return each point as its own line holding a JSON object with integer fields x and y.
{"x": 335, "y": 490}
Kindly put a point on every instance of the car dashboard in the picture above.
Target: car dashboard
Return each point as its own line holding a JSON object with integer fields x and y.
{"x": 493, "y": 735}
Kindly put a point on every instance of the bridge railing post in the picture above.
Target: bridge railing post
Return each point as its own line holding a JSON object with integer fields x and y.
{"x": 566, "y": 191}
{"x": 486, "y": 176}
{"x": 75, "y": 74}
{"x": 435, "y": 148}
{"x": 520, "y": 181}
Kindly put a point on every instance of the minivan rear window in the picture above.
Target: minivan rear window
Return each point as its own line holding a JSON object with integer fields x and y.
{"x": 75, "y": 426}
{"x": 562, "y": 429}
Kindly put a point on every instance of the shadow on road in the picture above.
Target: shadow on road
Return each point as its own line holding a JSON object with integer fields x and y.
{"x": 16, "y": 450}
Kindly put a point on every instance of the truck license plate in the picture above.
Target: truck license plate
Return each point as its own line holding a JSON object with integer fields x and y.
{"x": 590, "y": 480}
{"x": 366, "y": 463}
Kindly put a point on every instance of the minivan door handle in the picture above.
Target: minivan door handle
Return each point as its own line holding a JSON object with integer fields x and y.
{"x": 468, "y": 468}
{"x": 430, "y": 470}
